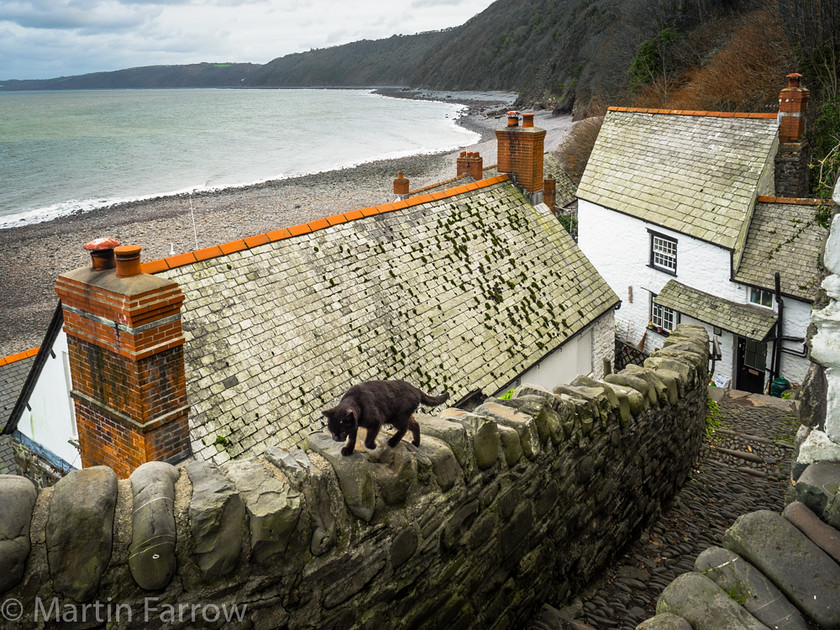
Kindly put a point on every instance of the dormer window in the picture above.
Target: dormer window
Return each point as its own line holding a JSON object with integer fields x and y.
{"x": 663, "y": 253}
{"x": 762, "y": 297}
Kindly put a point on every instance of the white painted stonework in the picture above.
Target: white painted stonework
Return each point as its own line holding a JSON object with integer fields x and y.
{"x": 618, "y": 245}
{"x": 50, "y": 419}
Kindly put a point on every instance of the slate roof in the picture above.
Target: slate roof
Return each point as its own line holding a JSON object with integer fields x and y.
{"x": 785, "y": 237}
{"x": 746, "y": 320}
{"x": 566, "y": 190}
{"x": 452, "y": 291}
{"x": 697, "y": 173}
{"x": 13, "y": 372}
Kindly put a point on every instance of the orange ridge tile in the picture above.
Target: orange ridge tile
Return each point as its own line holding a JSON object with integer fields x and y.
{"x": 19, "y": 356}
{"x": 336, "y": 219}
{"x": 438, "y": 195}
{"x": 352, "y": 215}
{"x": 278, "y": 235}
{"x": 257, "y": 240}
{"x": 369, "y": 212}
{"x": 233, "y": 246}
{"x": 208, "y": 252}
{"x": 179, "y": 260}
{"x": 318, "y": 224}
{"x": 297, "y": 230}
{"x": 154, "y": 266}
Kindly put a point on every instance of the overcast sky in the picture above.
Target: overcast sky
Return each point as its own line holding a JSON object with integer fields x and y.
{"x": 42, "y": 39}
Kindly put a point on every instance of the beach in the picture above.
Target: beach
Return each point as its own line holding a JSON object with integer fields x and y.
{"x": 31, "y": 256}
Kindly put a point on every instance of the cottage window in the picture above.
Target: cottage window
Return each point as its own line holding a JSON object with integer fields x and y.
{"x": 663, "y": 253}
{"x": 762, "y": 297}
{"x": 662, "y": 318}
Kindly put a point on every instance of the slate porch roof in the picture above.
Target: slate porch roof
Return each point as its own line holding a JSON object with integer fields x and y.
{"x": 697, "y": 173}
{"x": 13, "y": 372}
{"x": 745, "y": 320}
{"x": 785, "y": 237}
{"x": 455, "y": 291}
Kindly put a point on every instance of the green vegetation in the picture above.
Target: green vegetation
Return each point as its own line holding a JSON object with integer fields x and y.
{"x": 738, "y": 593}
{"x": 712, "y": 421}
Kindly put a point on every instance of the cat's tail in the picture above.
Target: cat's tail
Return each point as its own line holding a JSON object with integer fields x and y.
{"x": 433, "y": 401}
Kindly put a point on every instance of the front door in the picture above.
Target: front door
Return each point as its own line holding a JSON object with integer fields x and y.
{"x": 752, "y": 359}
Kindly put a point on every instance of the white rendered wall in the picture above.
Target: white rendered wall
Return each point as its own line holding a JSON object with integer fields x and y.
{"x": 583, "y": 354}
{"x": 619, "y": 247}
{"x": 51, "y": 422}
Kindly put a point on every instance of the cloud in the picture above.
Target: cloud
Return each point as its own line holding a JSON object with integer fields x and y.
{"x": 88, "y": 15}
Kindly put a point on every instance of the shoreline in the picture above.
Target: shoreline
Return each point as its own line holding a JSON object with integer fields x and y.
{"x": 34, "y": 254}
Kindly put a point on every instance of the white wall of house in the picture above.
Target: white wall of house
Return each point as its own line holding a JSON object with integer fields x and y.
{"x": 50, "y": 419}
{"x": 583, "y": 354}
{"x": 619, "y": 247}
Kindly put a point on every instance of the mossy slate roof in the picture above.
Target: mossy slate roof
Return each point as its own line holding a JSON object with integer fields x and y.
{"x": 451, "y": 292}
{"x": 746, "y": 320}
{"x": 695, "y": 174}
{"x": 784, "y": 236}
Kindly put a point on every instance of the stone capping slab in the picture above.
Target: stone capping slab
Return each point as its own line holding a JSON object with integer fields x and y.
{"x": 188, "y": 258}
{"x": 794, "y": 200}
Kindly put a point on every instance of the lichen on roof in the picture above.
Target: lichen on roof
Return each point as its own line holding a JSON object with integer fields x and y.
{"x": 784, "y": 236}
{"x": 696, "y": 174}
{"x": 459, "y": 293}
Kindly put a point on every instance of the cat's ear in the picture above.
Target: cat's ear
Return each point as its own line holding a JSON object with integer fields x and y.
{"x": 352, "y": 415}
{"x": 329, "y": 412}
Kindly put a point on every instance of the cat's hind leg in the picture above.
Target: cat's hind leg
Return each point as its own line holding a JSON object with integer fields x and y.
{"x": 415, "y": 430}
{"x": 395, "y": 439}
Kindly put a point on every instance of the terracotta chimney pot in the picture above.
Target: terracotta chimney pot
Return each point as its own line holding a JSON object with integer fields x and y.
{"x": 128, "y": 260}
{"x": 101, "y": 253}
{"x": 528, "y": 119}
{"x": 512, "y": 119}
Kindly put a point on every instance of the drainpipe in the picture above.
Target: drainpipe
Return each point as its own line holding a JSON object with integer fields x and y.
{"x": 777, "y": 355}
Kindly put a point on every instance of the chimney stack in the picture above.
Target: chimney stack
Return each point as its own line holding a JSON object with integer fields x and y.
{"x": 520, "y": 154}
{"x": 794, "y": 154}
{"x": 401, "y": 186}
{"x": 549, "y": 191}
{"x": 470, "y": 162}
{"x": 126, "y": 359}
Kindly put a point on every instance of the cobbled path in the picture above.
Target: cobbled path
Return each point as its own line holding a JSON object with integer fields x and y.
{"x": 743, "y": 468}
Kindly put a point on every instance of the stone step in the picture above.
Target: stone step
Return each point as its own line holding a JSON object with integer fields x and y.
{"x": 821, "y": 534}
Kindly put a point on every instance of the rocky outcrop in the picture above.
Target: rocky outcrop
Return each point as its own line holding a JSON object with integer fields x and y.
{"x": 496, "y": 511}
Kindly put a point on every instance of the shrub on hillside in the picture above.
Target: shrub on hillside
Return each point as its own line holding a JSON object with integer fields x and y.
{"x": 573, "y": 153}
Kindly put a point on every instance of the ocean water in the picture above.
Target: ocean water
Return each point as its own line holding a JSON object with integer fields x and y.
{"x": 66, "y": 152}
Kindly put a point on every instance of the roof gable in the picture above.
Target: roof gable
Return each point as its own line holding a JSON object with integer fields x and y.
{"x": 277, "y": 332}
{"x": 692, "y": 172}
{"x": 784, "y": 236}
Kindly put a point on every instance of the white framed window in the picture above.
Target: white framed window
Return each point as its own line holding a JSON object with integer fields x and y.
{"x": 762, "y": 297}
{"x": 662, "y": 318}
{"x": 663, "y": 253}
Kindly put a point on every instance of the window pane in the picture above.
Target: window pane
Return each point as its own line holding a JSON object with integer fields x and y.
{"x": 664, "y": 253}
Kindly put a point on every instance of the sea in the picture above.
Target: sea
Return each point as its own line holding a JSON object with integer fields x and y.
{"x": 66, "y": 152}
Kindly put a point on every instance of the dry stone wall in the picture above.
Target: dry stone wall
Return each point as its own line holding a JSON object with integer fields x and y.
{"x": 519, "y": 502}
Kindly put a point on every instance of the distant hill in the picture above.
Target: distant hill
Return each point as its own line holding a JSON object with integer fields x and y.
{"x": 193, "y": 75}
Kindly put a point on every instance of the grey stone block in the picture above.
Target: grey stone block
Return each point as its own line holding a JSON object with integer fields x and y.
{"x": 443, "y": 462}
{"x": 217, "y": 515}
{"x": 152, "y": 560}
{"x": 453, "y": 433}
{"x": 702, "y": 603}
{"x": 355, "y": 478}
{"x": 639, "y": 384}
{"x": 809, "y": 577}
{"x": 79, "y": 530}
{"x": 821, "y": 534}
{"x": 17, "y": 496}
{"x": 273, "y": 507}
{"x": 394, "y": 470}
{"x": 818, "y": 487}
{"x": 524, "y": 425}
{"x": 666, "y": 391}
{"x": 665, "y": 621}
{"x": 746, "y": 584}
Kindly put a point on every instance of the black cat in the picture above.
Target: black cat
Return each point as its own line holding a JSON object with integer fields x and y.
{"x": 374, "y": 403}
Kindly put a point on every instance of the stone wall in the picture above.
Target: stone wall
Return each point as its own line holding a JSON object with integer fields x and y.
{"x": 792, "y": 170}
{"x": 520, "y": 502}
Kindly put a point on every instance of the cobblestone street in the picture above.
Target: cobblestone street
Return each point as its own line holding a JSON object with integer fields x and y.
{"x": 745, "y": 467}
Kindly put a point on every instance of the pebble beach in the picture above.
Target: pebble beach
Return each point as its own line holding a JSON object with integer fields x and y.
{"x": 31, "y": 256}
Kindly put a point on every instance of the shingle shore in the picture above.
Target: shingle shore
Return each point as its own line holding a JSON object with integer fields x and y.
{"x": 32, "y": 256}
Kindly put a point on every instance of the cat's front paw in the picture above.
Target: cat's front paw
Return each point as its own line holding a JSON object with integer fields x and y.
{"x": 347, "y": 450}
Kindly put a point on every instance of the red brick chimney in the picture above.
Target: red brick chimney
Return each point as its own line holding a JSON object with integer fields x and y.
{"x": 549, "y": 191}
{"x": 794, "y": 154}
{"x": 126, "y": 359}
{"x": 793, "y": 101}
{"x": 520, "y": 153}
{"x": 401, "y": 186}
{"x": 471, "y": 162}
